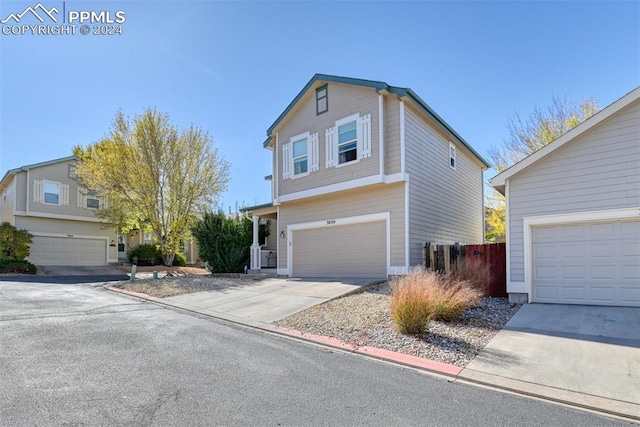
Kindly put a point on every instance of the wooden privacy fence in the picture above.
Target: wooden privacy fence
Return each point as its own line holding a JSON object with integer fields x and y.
{"x": 441, "y": 257}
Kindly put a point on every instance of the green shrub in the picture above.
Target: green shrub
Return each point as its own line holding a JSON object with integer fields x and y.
{"x": 224, "y": 241}
{"x": 17, "y": 267}
{"x": 424, "y": 295}
{"x": 179, "y": 260}
{"x": 146, "y": 254}
{"x": 14, "y": 243}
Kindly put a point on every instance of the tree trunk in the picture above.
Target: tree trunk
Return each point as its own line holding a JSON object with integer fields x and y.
{"x": 168, "y": 259}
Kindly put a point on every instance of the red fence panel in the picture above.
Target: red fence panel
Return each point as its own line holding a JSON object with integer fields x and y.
{"x": 494, "y": 255}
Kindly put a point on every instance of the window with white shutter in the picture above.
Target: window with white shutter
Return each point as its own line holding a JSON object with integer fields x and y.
{"x": 300, "y": 156}
{"x": 349, "y": 140}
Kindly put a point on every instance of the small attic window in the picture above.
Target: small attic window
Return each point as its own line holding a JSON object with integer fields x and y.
{"x": 322, "y": 100}
{"x": 452, "y": 155}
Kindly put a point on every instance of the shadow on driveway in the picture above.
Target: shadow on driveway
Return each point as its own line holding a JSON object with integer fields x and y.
{"x": 70, "y": 275}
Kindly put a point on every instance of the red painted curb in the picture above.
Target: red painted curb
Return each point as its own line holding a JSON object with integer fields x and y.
{"x": 330, "y": 341}
{"x": 407, "y": 359}
{"x": 126, "y": 292}
{"x": 392, "y": 356}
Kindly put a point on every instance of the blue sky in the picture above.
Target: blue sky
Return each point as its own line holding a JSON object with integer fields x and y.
{"x": 232, "y": 67}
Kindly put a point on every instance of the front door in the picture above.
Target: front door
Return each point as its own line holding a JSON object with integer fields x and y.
{"x": 122, "y": 246}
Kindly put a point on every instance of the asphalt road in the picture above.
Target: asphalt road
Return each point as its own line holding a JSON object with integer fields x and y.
{"x": 77, "y": 355}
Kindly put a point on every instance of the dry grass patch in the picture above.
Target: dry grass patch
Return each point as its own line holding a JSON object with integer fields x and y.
{"x": 424, "y": 295}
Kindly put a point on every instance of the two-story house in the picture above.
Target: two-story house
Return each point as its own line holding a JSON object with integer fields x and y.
{"x": 363, "y": 175}
{"x": 45, "y": 199}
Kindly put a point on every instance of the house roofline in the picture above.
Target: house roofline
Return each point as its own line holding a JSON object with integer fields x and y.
{"x": 499, "y": 181}
{"x": 378, "y": 86}
{"x": 33, "y": 166}
{"x": 256, "y": 207}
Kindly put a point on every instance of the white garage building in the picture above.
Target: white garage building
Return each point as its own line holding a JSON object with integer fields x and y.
{"x": 573, "y": 214}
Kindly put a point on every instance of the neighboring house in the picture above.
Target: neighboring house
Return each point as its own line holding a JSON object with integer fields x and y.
{"x": 364, "y": 174}
{"x": 45, "y": 199}
{"x": 573, "y": 213}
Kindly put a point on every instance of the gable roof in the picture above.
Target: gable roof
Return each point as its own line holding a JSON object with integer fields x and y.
{"x": 499, "y": 181}
{"x": 35, "y": 165}
{"x": 378, "y": 86}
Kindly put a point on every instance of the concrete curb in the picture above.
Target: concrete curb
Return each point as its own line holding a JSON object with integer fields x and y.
{"x": 451, "y": 371}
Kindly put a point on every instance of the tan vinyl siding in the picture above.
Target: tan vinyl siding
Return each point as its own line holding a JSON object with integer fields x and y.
{"x": 57, "y": 172}
{"x": 7, "y": 201}
{"x": 21, "y": 191}
{"x": 445, "y": 205}
{"x": 344, "y": 100}
{"x": 392, "y": 162}
{"x": 599, "y": 170}
{"x": 59, "y": 227}
{"x": 362, "y": 201}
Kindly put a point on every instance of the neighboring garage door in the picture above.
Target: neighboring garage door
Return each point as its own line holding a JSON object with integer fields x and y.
{"x": 587, "y": 263}
{"x": 68, "y": 251}
{"x": 357, "y": 250}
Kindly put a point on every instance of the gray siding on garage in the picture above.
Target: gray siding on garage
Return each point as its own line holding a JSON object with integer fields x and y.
{"x": 599, "y": 170}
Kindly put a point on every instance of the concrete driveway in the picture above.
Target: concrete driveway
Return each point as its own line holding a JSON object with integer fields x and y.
{"x": 584, "y": 355}
{"x": 266, "y": 301}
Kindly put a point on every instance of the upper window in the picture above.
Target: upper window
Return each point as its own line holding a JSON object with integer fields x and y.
{"x": 300, "y": 162}
{"x": 347, "y": 142}
{"x": 322, "y": 99}
{"x": 52, "y": 193}
{"x": 72, "y": 171}
{"x": 452, "y": 156}
{"x": 93, "y": 202}
{"x": 300, "y": 155}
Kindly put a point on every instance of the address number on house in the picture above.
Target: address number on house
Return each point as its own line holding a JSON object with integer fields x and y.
{"x": 331, "y": 221}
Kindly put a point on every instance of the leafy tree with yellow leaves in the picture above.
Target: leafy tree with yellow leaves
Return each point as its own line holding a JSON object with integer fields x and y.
{"x": 154, "y": 176}
{"x": 525, "y": 137}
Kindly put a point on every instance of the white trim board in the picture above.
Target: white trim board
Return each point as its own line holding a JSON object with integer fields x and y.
{"x": 58, "y": 216}
{"x": 341, "y": 186}
{"x": 559, "y": 219}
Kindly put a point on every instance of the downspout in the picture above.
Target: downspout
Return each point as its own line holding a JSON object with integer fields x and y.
{"x": 381, "y": 132}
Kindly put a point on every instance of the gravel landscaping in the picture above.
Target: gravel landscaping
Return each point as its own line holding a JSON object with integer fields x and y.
{"x": 177, "y": 285}
{"x": 364, "y": 318}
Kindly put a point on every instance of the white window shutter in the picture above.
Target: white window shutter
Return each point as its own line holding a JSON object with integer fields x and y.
{"x": 364, "y": 136}
{"x": 331, "y": 146}
{"x": 287, "y": 161}
{"x": 64, "y": 194}
{"x": 81, "y": 196}
{"x": 312, "y": 149}
{"x": 38, "y": 190}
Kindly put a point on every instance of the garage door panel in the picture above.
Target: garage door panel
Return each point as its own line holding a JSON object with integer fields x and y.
{"x": 597, "y": 263}
{"x": 357, "y": 250}
{"x": 48, "y": 250}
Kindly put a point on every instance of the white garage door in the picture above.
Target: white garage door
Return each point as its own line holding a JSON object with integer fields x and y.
{"x": 357, "y": 250}
{"x": 68, "y": 251}
{"x": 587, "y": 263}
